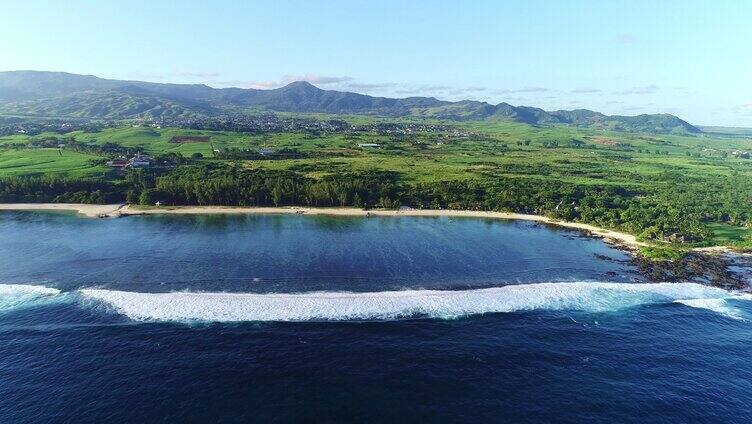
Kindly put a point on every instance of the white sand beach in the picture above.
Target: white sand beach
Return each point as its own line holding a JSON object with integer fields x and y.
{"x": 90, "y": 211}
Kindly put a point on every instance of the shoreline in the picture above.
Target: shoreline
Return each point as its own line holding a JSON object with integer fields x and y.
{"x": 712, "y": 261}
{"x": 113, "y": 210}
{"x": 86, "y": 210}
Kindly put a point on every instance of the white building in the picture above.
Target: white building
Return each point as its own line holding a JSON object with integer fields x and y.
{"x": 140, "y": 161}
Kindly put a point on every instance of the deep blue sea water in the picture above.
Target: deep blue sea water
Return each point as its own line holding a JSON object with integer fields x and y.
{"x": 299, "y": 318}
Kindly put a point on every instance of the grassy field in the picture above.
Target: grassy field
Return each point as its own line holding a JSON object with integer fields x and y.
{"x": 500, "y": 149}
{"x": 50, "y": 162}
{"x": 731, "y": 235}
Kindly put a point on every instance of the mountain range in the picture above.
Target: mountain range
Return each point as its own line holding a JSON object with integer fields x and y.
{"x": 59, "y": 94}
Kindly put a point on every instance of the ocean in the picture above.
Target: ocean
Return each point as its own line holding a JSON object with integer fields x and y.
{"x": 343, "y": 319}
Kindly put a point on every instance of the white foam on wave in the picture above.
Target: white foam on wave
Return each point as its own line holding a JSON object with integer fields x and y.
{"x": 235, "y": 307}
{"x": 13, "y": 296}
{"x": 719, "y": 306}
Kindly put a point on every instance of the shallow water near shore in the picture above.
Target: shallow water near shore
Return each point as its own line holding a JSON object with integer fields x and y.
{"x": 289, "y": 318}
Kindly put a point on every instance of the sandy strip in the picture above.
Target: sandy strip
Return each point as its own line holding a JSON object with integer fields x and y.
{"x": 94, "y": 211}
{"x": 91, "y": 211}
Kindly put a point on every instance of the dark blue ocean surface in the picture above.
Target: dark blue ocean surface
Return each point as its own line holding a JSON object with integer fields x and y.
{"x": 292, "y": 253}
{"x": 296, "y": 318}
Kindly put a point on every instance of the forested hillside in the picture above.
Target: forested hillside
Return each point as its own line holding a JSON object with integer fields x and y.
{"x": 57, "y": 94}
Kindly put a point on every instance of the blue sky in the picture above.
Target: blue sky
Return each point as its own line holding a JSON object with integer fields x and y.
{"x": 690, "y": 58}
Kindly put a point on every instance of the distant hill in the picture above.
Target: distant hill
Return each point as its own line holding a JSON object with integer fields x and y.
{"x": 62, "y": 94}
{"x": 728, "y": 131}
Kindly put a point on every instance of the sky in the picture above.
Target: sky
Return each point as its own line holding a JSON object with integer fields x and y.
{"x": 689, "y": 58}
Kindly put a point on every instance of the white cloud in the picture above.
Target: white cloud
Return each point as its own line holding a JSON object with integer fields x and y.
{"x": 286, "y": 79}
{"x": 364, "y": 86}
{"x": 257, "y": 84}
{"x": 532, "y": 90}
{"x": 315, "y": 79}
{"x": 522, "y": 90}
{"x": 586, "y": 90}
{"x": 203, "y": 75}
{"x": 645, "y": 89}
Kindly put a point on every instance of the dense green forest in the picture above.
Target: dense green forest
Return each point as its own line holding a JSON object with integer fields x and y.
{"x": 676, "y": 213}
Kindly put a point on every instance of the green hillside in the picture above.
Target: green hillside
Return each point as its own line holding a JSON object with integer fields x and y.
{"x": 45, "y": 94}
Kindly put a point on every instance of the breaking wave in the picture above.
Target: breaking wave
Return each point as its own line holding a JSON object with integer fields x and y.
{"x": 338, "y": 306}
{"x": 14, "y": 296}
{"x": 386, "y": 305}
{"x": 719, "y": 306}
